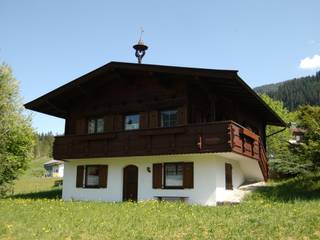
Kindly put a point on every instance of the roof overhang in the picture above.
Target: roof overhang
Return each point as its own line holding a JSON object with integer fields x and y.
{"x": 55, "y": 102}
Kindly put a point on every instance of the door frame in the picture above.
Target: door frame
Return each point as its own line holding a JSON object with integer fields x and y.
{"x": 124, "y": 182}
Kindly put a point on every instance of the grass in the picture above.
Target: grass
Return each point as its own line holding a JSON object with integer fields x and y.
{"x": 297, "y": 189}
{"x": 32, "y": 181}
{"x": 282, "y": 210}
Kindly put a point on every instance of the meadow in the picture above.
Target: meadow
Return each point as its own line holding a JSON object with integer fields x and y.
{"x": 282, "y": 210}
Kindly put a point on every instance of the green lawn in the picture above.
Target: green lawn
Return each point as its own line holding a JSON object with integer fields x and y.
{"x": 283, "y": 210}
{"x": 32, "y": 181}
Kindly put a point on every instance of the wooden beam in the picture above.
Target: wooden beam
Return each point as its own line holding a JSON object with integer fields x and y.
{"x": 56, "y": 108}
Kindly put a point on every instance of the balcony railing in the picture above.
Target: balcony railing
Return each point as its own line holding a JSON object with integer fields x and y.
{"x": 224, "y": 136}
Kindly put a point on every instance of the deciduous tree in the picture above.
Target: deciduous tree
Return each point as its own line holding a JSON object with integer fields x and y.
{"x": 16, "y": 134}
{"x": 284, "y": 161}
{"x": 308, "y": 118}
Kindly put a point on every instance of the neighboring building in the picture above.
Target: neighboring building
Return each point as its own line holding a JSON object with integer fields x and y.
{"x": 54, "y": 168}
{"x": 297, "y": 135}
{"x": 139, "y": 132}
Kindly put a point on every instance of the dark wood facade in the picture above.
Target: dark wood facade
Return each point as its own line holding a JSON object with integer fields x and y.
{"x": 216, "y": 112}
{"x": 224, "y": 136}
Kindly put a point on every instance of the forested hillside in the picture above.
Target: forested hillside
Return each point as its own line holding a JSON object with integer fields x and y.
{"x": 43, "y": 145}
{"x": 295, "y": 92}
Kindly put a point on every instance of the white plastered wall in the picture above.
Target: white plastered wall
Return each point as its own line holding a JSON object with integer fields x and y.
{"x": 61, "y": 167}
{"x": 209, "y": 178}
{"x": 237, "y": 178}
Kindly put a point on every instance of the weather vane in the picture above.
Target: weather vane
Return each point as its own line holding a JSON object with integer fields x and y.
{"x": 140, "y": 48}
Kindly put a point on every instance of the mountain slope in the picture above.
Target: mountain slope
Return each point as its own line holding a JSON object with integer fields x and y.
{"x": 295, "y": 92}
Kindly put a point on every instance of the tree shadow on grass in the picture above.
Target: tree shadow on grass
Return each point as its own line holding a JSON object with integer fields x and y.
{"x": 50, "y": 194}
{"x": 302, "y": 188}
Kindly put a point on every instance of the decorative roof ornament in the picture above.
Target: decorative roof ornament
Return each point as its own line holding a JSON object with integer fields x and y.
{"x": 140, "y": 48}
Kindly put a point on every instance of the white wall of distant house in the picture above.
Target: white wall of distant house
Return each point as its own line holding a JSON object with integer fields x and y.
{"x": 209, "y": 178}
{"x": 57, "y": 170}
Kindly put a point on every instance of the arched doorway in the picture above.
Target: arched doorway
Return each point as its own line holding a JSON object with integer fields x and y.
{"x": 130, "y": 183}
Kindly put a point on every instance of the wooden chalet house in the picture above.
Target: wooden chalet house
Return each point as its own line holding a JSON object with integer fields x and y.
{"x": 139, "y": 132}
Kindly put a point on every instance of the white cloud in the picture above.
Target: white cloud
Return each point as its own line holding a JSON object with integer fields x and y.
{"x": 310, "y": 62}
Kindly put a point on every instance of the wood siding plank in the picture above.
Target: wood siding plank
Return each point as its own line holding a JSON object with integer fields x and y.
{"x": 109, "y": 123}
{"x": 118, "y": 122}
{"x": 144, "y": 120}
{"x": 153, "y": 119}
{"x": 81, "y": 126}
{"x": 182, "y": 115}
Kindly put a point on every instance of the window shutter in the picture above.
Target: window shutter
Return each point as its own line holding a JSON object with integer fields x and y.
{"x": 143, "y": 120}
{"x": 81, "y": 126}
{"x": 67, "y": 126}
{"x": 182, "y": 115}
{"x": 103, "y": 176}
{"x": 157, "y": 175}
{"x": 188, "y": 175}
{"x": 118, "y": 122}
{"x": 153, "y": 123}
{"x": 80, "y": 172}
{"x": 72, "y": 125}
{"x": 228, "y": 172}
{"x": 108, "y": 123}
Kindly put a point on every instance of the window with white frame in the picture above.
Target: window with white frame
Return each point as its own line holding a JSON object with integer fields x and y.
{"x": 132, "y": 122}
{"x": 173, "y": 175}
{"x": 168, "y": 118}
{"x": 95, "y": 125}
{"x": 92, "y": 176}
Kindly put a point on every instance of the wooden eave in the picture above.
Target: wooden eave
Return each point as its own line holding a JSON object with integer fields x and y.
{"x": 56, "y": 102}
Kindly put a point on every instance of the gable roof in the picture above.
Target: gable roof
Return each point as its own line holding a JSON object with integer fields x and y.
{"x": 53, "y": 162}
{"x": 228, "y": 81}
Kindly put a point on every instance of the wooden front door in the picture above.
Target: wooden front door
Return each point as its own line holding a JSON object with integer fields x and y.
{"x": 130, "y": 183}
{"x": 228, "y": 170}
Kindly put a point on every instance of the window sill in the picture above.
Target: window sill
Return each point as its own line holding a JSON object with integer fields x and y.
{"x": 91, "y": 187}
{"x": 171, "y": 198}
{"x": 173, "y": 187}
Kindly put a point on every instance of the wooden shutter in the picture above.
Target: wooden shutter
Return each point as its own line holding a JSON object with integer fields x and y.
{"x": 118, "y": 122}
{"x": 182, "y": 115}
{"x": 144, "y": 120}
{"x": 153, "y": 119}
{"x": 103, "y": 176}
{"x": 157, "y": 175}
{"x": 72, "y": 125}
{"x": 188, "y": 175}
{"x": 80, "y": 172}
{"x": 81, "y": 126}
{"x": 228, "y": 172}
{"x": 108, "y": 123}
{"x": 67, "y": 127}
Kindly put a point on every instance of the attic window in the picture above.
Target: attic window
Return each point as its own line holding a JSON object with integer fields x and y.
{"x": 168, "y": 118}
{"x": 95, "y": 125}
{"x": 132, "y": 122}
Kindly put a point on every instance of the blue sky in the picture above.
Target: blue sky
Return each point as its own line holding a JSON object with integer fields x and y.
{"x": 49, "y": 43}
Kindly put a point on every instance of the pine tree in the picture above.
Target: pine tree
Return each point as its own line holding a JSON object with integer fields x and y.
{"x": 296, "y": 92}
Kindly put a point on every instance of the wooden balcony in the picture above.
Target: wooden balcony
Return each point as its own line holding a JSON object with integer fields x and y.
{"x": 224, "y": 136}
